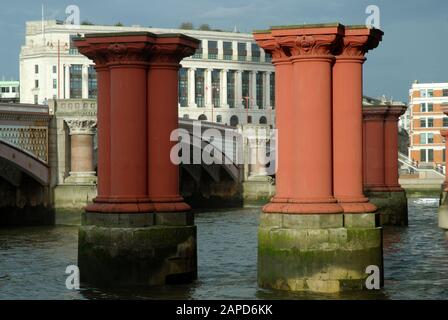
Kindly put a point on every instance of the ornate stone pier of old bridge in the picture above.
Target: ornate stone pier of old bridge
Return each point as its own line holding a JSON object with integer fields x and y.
{"x": 318, "y": 233}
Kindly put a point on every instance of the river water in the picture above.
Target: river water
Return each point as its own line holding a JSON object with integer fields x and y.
{"x": 33, "y": 261}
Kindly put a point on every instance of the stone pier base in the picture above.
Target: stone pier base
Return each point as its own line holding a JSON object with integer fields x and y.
{"x": 392, "y": 207}
{"x": 137, "y": 250}
{"x": 72, "y": 196}
{"x": 324, "y": 253}
{"x": 443, "y": 213}
{"x": 258, "y": 190}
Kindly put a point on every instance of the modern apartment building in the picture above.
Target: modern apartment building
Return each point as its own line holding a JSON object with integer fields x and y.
{"x": 427, "y": 120}
{"x": 229, "y": 80}
{"x": 9, "y": 91}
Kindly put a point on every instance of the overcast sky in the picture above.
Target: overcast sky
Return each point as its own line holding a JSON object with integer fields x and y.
{"x": 415, "y": 45}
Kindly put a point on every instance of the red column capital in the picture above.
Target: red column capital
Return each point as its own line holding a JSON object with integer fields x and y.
{"x": 394, "y": 112}
{"x": 357, "y": 41}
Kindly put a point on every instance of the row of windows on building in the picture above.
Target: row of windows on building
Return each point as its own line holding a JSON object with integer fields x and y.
{"x": 76, "y": 82}
{"x": 9, "y": 89}
{"x": 427, "y": 155}
{"x": 429, "y": 122}
{"x": 429, "y": 93}
{"x": 200, "y": 88}
{"x": 228, "y": 52}
{"x": 234, "y": 120}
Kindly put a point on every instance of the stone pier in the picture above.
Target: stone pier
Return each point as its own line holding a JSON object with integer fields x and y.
{"x": 314, "y": 236}
{"x": 258, "y": 186}
{"x": 381, "y": 163}
{"x": 138, "y": 231}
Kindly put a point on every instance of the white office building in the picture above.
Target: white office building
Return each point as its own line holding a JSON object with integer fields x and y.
{"x": 229, "y": 80}
{"x": 9, "y": 91}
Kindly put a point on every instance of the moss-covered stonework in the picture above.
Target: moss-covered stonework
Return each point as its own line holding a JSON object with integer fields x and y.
{"x": 443, "y": 213}
{"x": 136, "y": 256}
{"x": 320, "y": 253}
{"x": 392, "y": 207}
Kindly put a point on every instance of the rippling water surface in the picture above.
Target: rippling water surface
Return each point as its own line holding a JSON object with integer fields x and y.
{"x": 33, "y": 261}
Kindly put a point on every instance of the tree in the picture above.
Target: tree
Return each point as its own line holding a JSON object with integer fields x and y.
{"x": 186, "y": 26}
{"x": 119, "y": 24}
{"x": 87, "y": 23}
{"x": 205, "y": 27}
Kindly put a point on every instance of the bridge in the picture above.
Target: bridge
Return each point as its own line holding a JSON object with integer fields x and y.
{"x": 38, "y": 143}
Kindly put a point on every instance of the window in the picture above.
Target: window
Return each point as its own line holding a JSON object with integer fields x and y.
{"x": 219, "y": 118}
{"x": 215, "y": 88}
{"x": 228, "y": 50}
{"x": 445, "y": 121}
{"x": 183, "y": 87}
{"x": 231, "y": 88}
{"x": 245, "y": 88}
{"x": 55, "y": 69}
{"x": 199, "y": 87}
{"x": 272, "y": 89}
{"x": 268, "y": 57}
{"x": 249, "y": 119}
{"x": 260, "y": 90}
{"x": 427, "y": 107}
{"x": 14, "y": 89}
{"x": 423, "y": 93}
{"x": 199, "y": 51}
{"x": 213, "y": 49}
{"x": 444, "y": 155}
{"x": 5, "y": 89}
{"x": 92, "y": 83}
{"x": 430, "y": 93}
{"x": 256, "y": 53}
{"x": 36, "y": 69}
{"x": 426, "y": 123}
{"x": 263, "y": 120}
{"x": 73, "y": 50}
{"x": 202, "y": 117}
{"x": 234, "y": 121}
{"x": 427, "y": 155}
{"x": 426, "y": 138}
{"x": 36, "y": 84}
{"x": 55, "y": 83}
{"x": 242, "y": 51}
{"x": 36, "y": 99}
{"x": 76, "y": 81}
{"x": 445, "y": 92}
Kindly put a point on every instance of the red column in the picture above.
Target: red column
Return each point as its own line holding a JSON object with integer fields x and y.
{"x": 348, "y": 119}
{"x": 163, "y": 175}
{"x": 391, "y": 148}
{"x": 122, "y": 119}
{"x": 103, "y": 129}
{"x": 283, "y": 91}
{"x": 311, "y": 178}
{"x": 373, "y": 149}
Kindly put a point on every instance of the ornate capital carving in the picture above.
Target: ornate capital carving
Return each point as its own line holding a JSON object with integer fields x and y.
{"x": 395, "y": 112}
{"x": 375, "y": 113}
{"x": 81, "y": 126}
{"x": 309, "y": 45}
{"x": 357, "y": 42}
{"x": 171, "y": 53}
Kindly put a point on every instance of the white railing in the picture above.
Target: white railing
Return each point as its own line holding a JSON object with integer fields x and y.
{"x": 414, "y": 166}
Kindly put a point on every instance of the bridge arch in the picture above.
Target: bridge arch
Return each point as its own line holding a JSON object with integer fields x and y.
{"x": 25, "y": 162}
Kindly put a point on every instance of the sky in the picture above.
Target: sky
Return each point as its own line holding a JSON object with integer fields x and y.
{"x": 414, "y": 46}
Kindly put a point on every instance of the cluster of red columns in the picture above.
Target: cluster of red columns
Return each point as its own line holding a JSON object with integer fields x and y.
{"x": 381, "y": 148}
{"x": 319, "y": 117}
{"x": 137, "y": 112}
